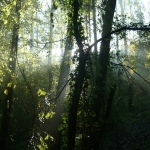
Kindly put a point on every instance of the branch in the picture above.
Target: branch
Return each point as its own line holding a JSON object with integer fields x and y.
{"x": 134, "y": 72}
{"x": 60, "y": 91}
{"x": 145, "y": 28}
{"x": 137, "y": 74}
{"x": 30, "y": 90}
{"x": 132, "y": 79}
{"x": 126, "y": 71}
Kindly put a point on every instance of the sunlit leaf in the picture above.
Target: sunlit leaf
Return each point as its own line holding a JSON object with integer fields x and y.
{"x": 9, "y": 84}
{"x": 5, "y": 22}
{"x": 6, "y": 92}
{"x": 47, "y": 137}
{"x": 49, "y": 115}
{"x": 40, "y": 147}
{"x": 41, "y": 140}
{"x": 41, "y": 92}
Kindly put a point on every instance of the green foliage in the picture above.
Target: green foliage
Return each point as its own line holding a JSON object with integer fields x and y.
{"x": 31, "y": 80}
{"x": 35, "y": 81}
{"x": 43, "y": 145}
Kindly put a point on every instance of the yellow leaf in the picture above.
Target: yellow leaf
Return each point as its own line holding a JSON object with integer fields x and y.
{"x": 5, "y": 22}
{"x": 46, "y": 138}
{"x": 6, "y": 92}
{"x": 41, "y": 92}
{"x": 14, "y": 3}
{"x": 41, "y": 140}
{"x": 9, "y": 84}
{"x": 40, "y": 147}
{"x": 49, "y": 115}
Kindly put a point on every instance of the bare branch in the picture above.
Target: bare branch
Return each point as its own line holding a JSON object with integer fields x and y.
{"x": 129, "y": 76}
{"x": 144, "y": 28}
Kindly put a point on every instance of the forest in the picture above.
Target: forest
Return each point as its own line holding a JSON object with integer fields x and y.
{"x": 74, "y": 75}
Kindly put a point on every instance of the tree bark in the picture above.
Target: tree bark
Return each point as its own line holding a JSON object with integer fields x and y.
{"x": 50, "y": 74}
{"x": 72, "y": 118}
{"x": 104, "y": 61}
{"x": 94, "y": 25}
{"x": 7, "y": 107}
{"x": 104, "y": 52}
{"x": 56, "y": 121}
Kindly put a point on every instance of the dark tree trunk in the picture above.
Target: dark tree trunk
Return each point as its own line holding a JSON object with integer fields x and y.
{"x": 7, "y": 105}
{"x": 130, "y": 93}
{"x": 104, "y": 52}
{"x": 101, "y": 79}
{"x": 72, "y": 118}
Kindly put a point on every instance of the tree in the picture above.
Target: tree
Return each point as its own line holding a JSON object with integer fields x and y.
{"x": 9, "y": 80}
{"x": 94, "y": 24}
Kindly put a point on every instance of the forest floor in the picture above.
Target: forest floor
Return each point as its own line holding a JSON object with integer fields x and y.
{"x": 129, "y": 130}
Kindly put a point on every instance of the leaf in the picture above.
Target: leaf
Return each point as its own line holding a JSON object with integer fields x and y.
{"x": 14, "y": 3}
{"x": 6, "y": 92}
{"x": 41, "y": 115}
{"x": 21, "y": 14}
{"x": 40, "y": 147}
{"x": 5, "y": 22}
{"x": 52, "y": 138}
{"x": 46, "y": 138}
{"x": 41, "y": 92}
{"x": 14, "y": 86}
{"x": 49, "y": 115}
{"x": 41, "y": 140}
{"x": 9, "y": 84}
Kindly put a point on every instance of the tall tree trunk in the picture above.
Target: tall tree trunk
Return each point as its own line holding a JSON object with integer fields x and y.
{"x": 125, "y": 38}
{"x": 50, "y": 75}
{"x": 89, "y": 25}
{"x": 61, "y": 91}
{"x": 4, "y": 134}
{"x": 130, "y": 99}
{"x": 104, "y": 61}
{"x": 72, "y": 118}
{"x": 94, "y": 25}
{"x": 104, "y": 51}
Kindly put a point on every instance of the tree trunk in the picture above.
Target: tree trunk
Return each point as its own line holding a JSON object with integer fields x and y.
{"x": 94, "y": 25}
{"x": 125, "y": 38}
{"x": 56, "y": 121}
{"x": 130, "y": 99}
{"x": 104, "y": 61}
{"x": 72, "y": 118}
{"x": 7, "y": 107}
{"x": 50, "y": 74}
{"x": 104, "y": 52}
